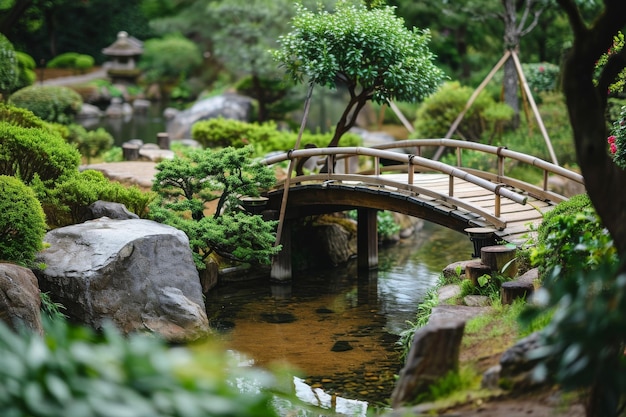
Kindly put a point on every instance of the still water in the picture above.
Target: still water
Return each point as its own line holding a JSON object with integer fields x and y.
{"x": 144, "y": 126}
{"x": 337, "y": 327}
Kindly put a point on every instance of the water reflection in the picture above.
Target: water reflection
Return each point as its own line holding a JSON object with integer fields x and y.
{"x": 337, "y": 327}
{"x": 144, "y": 126}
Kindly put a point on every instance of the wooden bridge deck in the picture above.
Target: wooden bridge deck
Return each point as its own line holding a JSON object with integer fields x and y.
{"x": 520, "y": 219}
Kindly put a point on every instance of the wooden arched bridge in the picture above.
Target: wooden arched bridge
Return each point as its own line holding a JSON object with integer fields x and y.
{"x": 398, "y": 178}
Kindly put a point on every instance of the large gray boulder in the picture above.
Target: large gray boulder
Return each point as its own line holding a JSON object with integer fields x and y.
{"x": 20, "y": 301}
{"x": 228, "y": 106}
{"x": 139, "y": 274}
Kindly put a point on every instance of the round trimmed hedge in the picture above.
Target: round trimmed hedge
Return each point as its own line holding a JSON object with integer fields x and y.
{"x": 51, "y": 103}
{"x": 22, "y": 222}
{"x": 35, "y": 153}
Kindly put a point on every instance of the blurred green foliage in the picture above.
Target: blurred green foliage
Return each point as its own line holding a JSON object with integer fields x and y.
{"x": 74, "y": 372}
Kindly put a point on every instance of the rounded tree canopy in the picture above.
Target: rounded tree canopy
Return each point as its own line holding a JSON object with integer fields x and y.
{"x": 369, "y": 48}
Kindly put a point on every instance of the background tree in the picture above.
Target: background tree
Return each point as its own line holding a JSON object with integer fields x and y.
{"x": 243, "y": 31}
{"x": 170, "y": 60}
{"x": 586, "y": 336}
{"x": 46, "y": 28}
{"x": 519, "y": 18}
{"x": 368, "y": 51}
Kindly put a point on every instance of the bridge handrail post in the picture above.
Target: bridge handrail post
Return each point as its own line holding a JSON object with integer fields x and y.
{"x": 497, "y": 207}
{"x": 346, "y": 166}
{"x": 377, "y": 166}
{"x": 330, "y": 161}
{"x": 459, "y": 162}
{"x": 410, "y": 169}
{"x": 500, "y": 161}
{"x": 451, "y": 186}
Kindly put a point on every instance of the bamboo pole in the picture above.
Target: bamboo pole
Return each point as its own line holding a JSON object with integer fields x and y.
{"x": 542, "y": 128}
{"x": 471, "y": 100}
{"x": 400, "y": 116}
{"x": 283, "y": 203}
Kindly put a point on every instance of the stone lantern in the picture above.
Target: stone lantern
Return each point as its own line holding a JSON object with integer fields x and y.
{"x": 124, "y": 54}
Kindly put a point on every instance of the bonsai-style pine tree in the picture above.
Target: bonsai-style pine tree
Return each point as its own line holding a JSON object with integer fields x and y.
{"x": 369, "y": 51}
{"x": 186, "y": 184}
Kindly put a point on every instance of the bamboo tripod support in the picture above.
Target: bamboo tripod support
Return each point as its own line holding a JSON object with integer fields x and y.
{"x": 527, "y": 94}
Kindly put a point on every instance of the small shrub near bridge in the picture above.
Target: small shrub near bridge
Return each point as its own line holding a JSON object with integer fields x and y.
{"x": 438, "y": 112}
{"x": 264, "y": 137}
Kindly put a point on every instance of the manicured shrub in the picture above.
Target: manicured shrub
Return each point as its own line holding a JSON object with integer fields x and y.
{"x": 220, "y": 132}
{"x": 186, "y": 184}
{"x": 90, "y": 143}
{"x": 438, "y": 112}
{"x": 22, "y": 222}
{"x": 26, "y": 68}
{"x": 56, "y": 104}
{"x": 20, "y": 117}
{"x": 264, "y": 137}
{"x": 576, "y": 204}
{"x": 67, "y": 201}
{"x": 8, "y": 66}
{"x": 71, "y": 60}
{"x": 73, "y": 372}
{"x": 83, "y": 62}
{"x": 571, "y": 240}
{"x": 31, "y": 154}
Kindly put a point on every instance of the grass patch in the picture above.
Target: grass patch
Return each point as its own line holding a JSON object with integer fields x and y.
{"x": 453, "y": 382}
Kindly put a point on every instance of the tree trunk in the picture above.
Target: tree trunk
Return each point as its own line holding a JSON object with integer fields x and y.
{"x": 349, "y": 116}
{"x": 260, "y": 96}
{"x": 604, "y": 180}
{"x": 511, "y": 42}
{"x": 510, "y": 88}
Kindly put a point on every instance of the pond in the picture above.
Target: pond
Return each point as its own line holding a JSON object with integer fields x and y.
{"x": 144, "y": 126}
{"x": 337, "y": 327}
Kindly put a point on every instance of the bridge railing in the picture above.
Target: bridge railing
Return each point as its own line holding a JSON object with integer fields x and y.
{"x": 501, "y": 153}
{"x": 411, "y": 161}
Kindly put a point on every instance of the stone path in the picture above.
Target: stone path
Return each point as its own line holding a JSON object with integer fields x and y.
{"x": 77, "y": 79}
{"x": 140, "y": 173}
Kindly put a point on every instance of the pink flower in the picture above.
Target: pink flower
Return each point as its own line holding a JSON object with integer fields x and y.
{"x": 541, "y": 69}
{"x": 613, "y": 148}
{"x": 611, "y": 139}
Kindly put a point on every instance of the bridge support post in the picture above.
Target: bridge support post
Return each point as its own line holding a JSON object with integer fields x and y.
{"x": 367, "y": 238}
{"x": 281, "y": 263}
